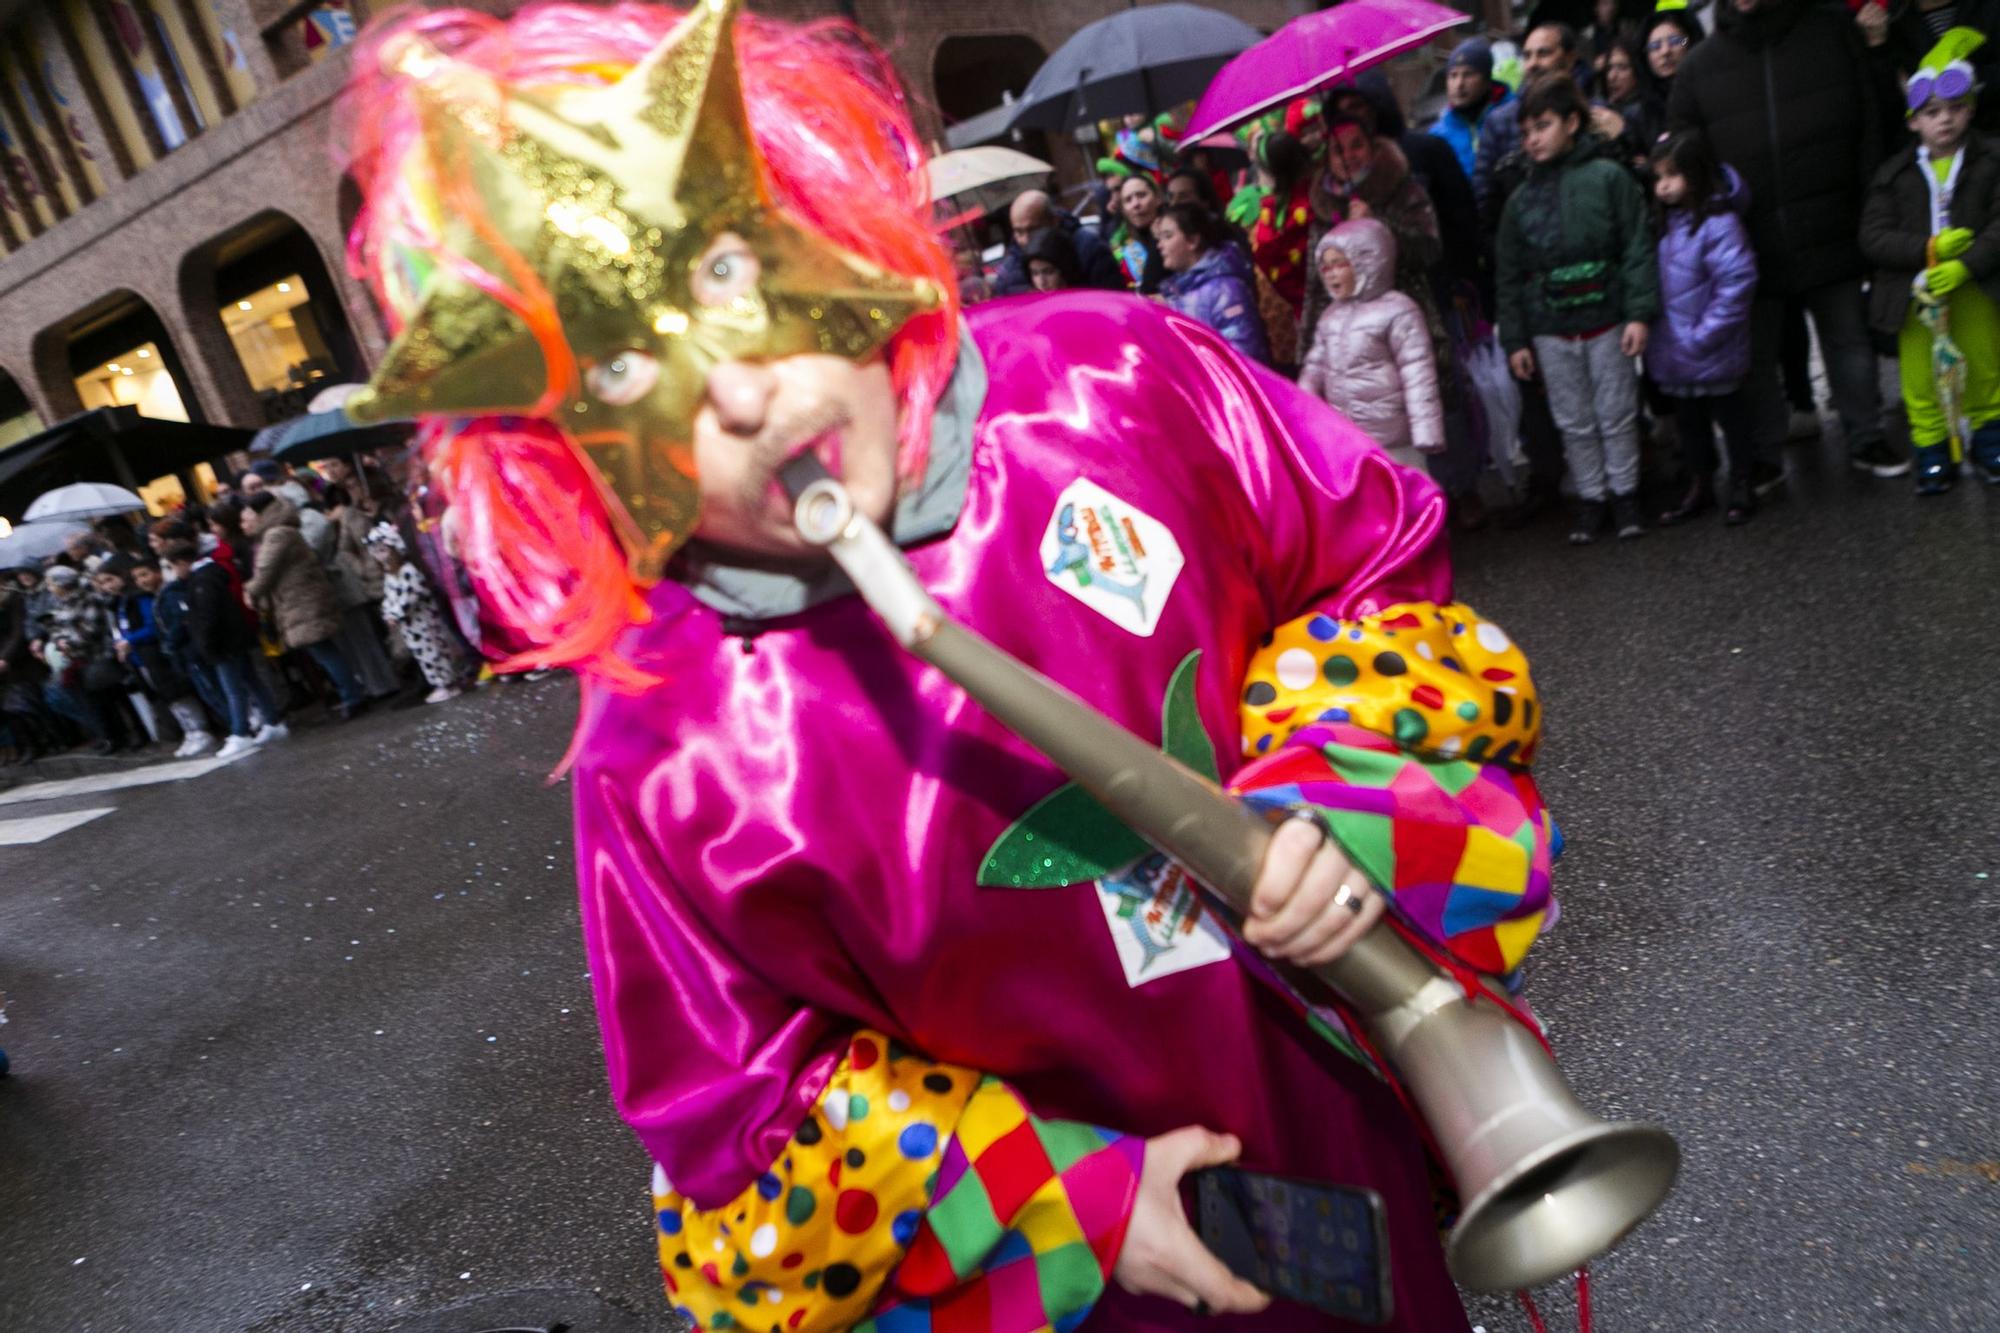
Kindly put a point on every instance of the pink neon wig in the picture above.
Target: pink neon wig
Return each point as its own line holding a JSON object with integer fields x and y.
{"x": 843, "y": 159}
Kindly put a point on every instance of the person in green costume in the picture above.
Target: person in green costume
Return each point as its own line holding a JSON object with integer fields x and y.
{"x": 1931, "y": 226}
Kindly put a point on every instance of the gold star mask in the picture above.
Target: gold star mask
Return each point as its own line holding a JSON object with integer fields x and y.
{"x": 638, "y": 215}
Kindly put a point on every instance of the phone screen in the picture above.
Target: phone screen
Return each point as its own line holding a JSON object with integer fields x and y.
{"x": 1325, "y": 1246}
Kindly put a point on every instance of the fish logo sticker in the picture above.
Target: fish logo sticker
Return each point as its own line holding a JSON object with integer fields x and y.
{"x": 1159, "y": 924}
{"x": 1116, "y": 560}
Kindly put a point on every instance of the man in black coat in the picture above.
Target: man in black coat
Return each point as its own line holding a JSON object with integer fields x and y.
{"x": 1787, "y": 95}
{"x": 1032, "y": 213}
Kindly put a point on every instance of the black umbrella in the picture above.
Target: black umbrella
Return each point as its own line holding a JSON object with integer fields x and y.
{"x": 1137, "y": 62}
{"x": 326, "y": 435}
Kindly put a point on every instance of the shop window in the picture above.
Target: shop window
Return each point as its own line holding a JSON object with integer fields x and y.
{"x": 282, "y": 343}
{"x": 136, "y": 378}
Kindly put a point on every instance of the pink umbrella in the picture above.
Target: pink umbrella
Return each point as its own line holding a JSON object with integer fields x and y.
{"x": 1312, "y": 52}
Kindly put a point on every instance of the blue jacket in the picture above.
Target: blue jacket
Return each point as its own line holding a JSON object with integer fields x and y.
{"x": 1708, "y": 275}
{"x": 1463, "y": 135}
{"x": 1093, "y": 256}
{"x": 1221, "y": 291}
{"x": 1499, "y": 139}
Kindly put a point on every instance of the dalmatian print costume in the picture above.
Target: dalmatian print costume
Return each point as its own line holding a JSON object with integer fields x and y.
{"x": 407, "y": 603}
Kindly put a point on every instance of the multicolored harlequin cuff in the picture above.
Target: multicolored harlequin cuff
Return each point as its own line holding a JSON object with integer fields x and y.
{"x": 1461, "y": 849}
{"x": 915, "y": 1195}
{"x": 1437, "y": 680}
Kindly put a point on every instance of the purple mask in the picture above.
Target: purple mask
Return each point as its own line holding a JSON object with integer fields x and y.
{"x": 1947, "y": 85}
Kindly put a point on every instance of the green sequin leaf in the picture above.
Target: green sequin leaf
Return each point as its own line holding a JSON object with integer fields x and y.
{"x": 1065, "y": 838}
{"x": 1180, "y": 721}
{"x": 1068, "y": 838}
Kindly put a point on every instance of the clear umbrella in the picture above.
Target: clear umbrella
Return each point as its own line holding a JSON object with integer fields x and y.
{"x": 83, "y": 499}
{"x": 27, "y": 546}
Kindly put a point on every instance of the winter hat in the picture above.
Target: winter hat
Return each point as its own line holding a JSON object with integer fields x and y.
{"x": 270, "y": 470}
{"x": 1472, "y": 53}
{"x": 63, "y": 576}
{"x": 1946, "y": 73}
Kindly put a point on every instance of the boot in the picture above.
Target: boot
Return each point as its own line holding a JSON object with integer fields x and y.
{"x": 1986, "y": 452}
{"x": 1589, "y": 522}
{"x": 1742, "y": 503}
{"x": 1936, "y": 473}
{"x": 1625, "y": 517}
{"x": 1700, "y": 497}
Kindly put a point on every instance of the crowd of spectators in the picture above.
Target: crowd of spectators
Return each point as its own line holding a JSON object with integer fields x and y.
{"x": 1631, "y": 239}
{"x": 211, "y": 627}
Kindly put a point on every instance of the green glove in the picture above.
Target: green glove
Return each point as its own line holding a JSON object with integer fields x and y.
{"x": 1953, "y": 242}
{"x": 1947, "y": 277}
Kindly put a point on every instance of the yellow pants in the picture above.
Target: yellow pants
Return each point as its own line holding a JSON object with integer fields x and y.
{"x": 1975, "y": 327}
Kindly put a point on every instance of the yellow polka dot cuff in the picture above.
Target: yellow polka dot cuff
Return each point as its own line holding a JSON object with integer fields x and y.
{"x": 1437, "y": 680}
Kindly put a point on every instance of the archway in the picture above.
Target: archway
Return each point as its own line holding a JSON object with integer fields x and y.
{"x": 265, "y": 284}
{"x": 971, "y": 74}
{"x": 18, "y": 417}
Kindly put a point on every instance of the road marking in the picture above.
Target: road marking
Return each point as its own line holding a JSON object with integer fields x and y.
{"x": 138, "y": 777}
{"x": 40, "y": 828}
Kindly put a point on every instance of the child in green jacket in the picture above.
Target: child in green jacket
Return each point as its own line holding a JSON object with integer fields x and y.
{"x": 1931, "y": 226}
{"x": 1576, "y": 290}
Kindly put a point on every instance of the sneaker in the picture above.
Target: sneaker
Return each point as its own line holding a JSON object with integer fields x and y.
{"x": 1765, "y": 478}
{"x": 1589, "y": 522}
{"x": 1699, "y": 499}
{"x": 185, "y": 748}
{"x": 272, "y": 731}
{"x": 234, "y": 746}
{"x": 200, "y": 742}
{"x": 1804, "y": 425}
{"x": 1878, "y": 458}
{"x": 1742, "y": 504}
{"x": 441, "y": 693}
{"x": 1936, "y": 473}
{"x": 1625, "y": 516}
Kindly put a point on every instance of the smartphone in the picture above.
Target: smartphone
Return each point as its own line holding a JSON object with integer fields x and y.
{"x": 1326, "y": 1246}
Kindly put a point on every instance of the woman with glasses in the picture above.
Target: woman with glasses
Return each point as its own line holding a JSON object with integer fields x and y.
{"x": 1671, "y": 34}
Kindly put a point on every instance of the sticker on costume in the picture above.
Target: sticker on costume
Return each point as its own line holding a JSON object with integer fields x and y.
{"x": 1117, "y": 561}
{"x": 1158, "y": 922}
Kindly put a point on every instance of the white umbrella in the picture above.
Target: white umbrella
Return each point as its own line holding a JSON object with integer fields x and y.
{"x": 28, "y": 545}
{"x": 970, "y": 168}
{"x": 83, "y": 499}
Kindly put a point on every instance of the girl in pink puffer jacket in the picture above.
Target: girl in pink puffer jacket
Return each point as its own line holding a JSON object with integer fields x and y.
{"x": 1371, "y": 357}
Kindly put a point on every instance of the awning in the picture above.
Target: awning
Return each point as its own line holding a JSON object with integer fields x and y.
{"x": 986, "y": 127}
{"x": 112, "y": 444}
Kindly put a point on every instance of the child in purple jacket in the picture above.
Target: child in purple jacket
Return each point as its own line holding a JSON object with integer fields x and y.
{"x": 1699, "y": 352}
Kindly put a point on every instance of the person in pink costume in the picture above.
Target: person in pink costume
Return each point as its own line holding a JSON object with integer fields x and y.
{"x": 1372, "y": 356}
{"x": 639, "y": 260}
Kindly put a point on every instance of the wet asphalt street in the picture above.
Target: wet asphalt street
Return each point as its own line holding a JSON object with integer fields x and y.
{"x": 305, "y": 1042}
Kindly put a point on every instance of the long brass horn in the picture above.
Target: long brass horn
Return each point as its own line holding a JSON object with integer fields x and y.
{"x": 1546, "y": 1186}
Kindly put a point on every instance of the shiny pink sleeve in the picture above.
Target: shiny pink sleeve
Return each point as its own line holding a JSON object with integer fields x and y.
{"x": 725, "y": 1065}
{"x": 1337, "y": 527}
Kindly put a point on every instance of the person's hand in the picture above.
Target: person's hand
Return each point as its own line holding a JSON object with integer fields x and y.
{"x": 1632, "y": 342}
{"x": 1309, "y": 904}
{"x": 1873, "y": 20}
{"x": 124, "y": 650}
{"x": 1953, "y": 242}
{"x": 1947, "y": 277}
{"x": 1522, "y": 363}
{"x": 1607, "y": 122}
{"x": 1162, "y": 1255}
{"x": 1358, "y": 208}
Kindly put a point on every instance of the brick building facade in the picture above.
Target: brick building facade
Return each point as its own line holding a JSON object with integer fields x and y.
{"x": 174, "y": 210}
